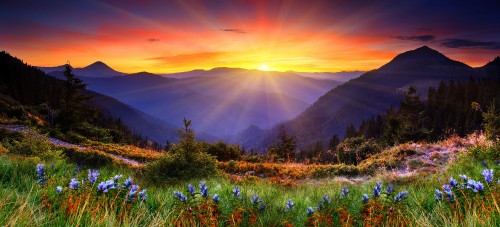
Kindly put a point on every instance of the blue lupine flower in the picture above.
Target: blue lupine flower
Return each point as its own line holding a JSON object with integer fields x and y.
{"x": 40, "y": 174}
{"x": 390, "y": 189}
{"x": 236, "y": 192}
{"x": 289, "y": 205}
{"x": 78, "y": 168}
{"x": 142, "y": 195}
{"x": 203, "y": 189}
{"x": 106, "y": 186}
{"x": 400, "y": 196}
{"x": 488, "y": 175}
{"x": 117, "y": 177}
{"x": 128, "y": 182}
{"x": 475, "y": 186}
{"x": 92, "y": 176}
{"x": 377, "y": 189}
{"x": 181, "y": 197}
{"x": 448, "y": 191}
{"x": 52, "y": 166}
{"x": 438, "y": 194}
{"x": 59, "y": 189}
{"x": 310, "y": 211}
{"x": 484, "y": 164}
{"x": 326, "y": 199}
{"x": 262, "y": 207}
{"x": 190, "y": 189}
{"x": 344, "y": 192}
{"x": 216, "y": 198}
{"x": 133, "y": 191}
{"x": 453, "y": 182}
{"x": 255, "y": 199}
{"x": 365, "y": 198}
{"x": 74, "y": 184}
{"x": 464, "y": 177}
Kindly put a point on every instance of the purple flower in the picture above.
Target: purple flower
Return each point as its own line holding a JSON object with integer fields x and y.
{"x": 92, "y": 176}
{"x": 326, "y": 199}
{"x": 133, "y": 191}
{"x": 74, "y": 184}
{"x": 400, "y": 196}
{"x": 289, "y": 205}
{"x": 181, "y": 197}
{"x": 106, "y": 186}
{"x": 438, "y": 194}
{"x": 365, "y": 198}
{"x": 40, "y": 174}
{"x": 59, "y": 189}
{"x": 142, "y": 195}
{"x": 117, "y": 177}
{"x": 344, "y": 193}
{"x": 237, "y": 192}
{"x": 475, "y": 186}
{"x": 190, "y": 189}
{"x": 488, "y": 175}
{"x": 453, "y": 182}
{"x": 390, "y": 189}
{"x": 449, "y": 193}
{"x": 377, "y": 189}
{"x": 310, "y": 211}
{"x": 203, "y": 189}
{"x": 128, "y": 182}
{"x": 255, "y": 199}
{"x": 216, "y": 198}
{"x": 262, "y": 207}
{"x": 52, "y": 166}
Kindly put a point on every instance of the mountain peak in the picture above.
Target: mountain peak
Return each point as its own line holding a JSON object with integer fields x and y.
{"x": 421, "y": 57}
{"x": 98, "y": 64}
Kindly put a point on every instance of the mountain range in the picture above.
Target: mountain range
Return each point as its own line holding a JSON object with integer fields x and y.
{"x": 221, "y": 102}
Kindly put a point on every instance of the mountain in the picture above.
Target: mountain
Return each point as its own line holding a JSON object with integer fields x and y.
{"x": 97, "y": 69}
{"x": 491, "y": 69}
{"x": 31, "y": 86}
{"x": 222, "y": 102}
{"x": 373, "y": 93}
{"x": 338, "y": 76}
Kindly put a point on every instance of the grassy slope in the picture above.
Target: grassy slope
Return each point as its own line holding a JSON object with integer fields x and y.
{"x": 23, "y": 202}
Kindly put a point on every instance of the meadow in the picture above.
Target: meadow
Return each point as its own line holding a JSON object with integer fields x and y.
{"x": 46, "y": 188}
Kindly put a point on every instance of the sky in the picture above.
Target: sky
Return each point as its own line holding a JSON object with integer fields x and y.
{"x": 309, "y": 36}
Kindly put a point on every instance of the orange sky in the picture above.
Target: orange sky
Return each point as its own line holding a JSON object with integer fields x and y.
{"x": 185, "y": 35}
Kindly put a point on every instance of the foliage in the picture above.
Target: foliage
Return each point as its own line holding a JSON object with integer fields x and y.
{"x": 284, "y": 150}
{"x": 355, "y": 150}
{"x": 222, "y": 151}
{"x": 491, "y": 120}
{"x": 184, "y": 160}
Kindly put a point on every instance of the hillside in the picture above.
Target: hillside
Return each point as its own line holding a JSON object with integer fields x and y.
{"x": 374, "y": 92}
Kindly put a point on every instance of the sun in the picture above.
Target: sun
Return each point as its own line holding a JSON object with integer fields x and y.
{"x": 264, "y": 68}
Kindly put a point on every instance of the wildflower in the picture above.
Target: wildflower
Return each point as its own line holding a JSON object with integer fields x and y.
{"x": 310, "y": 211}
{"x": 106, "y": 186}
{"x": 475, "y": 186}
{"x": 74, "y": 184}
{"x": 488, "y": 175}
{"x": 78, "y": 168}
{"x": 117, "y": 177}
{"x": 464, "y": 177}
{"x": 344, "y": 192}
{"x": 438, "y": 194}
{"x": 236, "y": 192}
{"x": 203, "y": 189}
{"x": 128, "y": 182}
{"x": 326, "y": 199}
{"x": 190, "y": 189}
{"x": 400, "y": 196}
{"x": 181, "y": 197}
{"x": 289, "y": 205}
{"x": 255, "y": 199}
{"x": 390, "y": 189}
{"x": 52, "y": 166}
{"x": 59, "y": 189}
{"x": 142, "y": 195}
{"x": 41, "y": 175}
{"x": 92, "y": 176}
{"x": 377, "y": 189}
{"x": 216, "y": 198}
{"x": 453, "y": 182}
{"x": 262, "y": 207}
{"x": 133, "y": 191}
{"x": 365, "y": 198}
{"x": 484, "y": 164}
{"x": 449, "y": 193}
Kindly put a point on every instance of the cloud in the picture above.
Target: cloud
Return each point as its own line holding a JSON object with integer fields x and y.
{"x": 153, "y": 40}
{"x": 235, "y": 30}
{"x": 466, "y": 43}
{"x": 416, "y": 38}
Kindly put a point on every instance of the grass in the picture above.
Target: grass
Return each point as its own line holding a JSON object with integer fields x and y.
{"x": 23, "y": 202}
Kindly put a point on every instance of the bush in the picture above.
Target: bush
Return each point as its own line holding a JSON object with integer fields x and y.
{"x": 91, "y": 158}
{"x": 184, "y": 161}
{"x": 354, "y": 150}
{"x": 223, "y": 151}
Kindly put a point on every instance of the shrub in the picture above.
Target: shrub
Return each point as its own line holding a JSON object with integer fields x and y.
{"x": 354, "y": 150}
{"x": 87, "y": 157}
{"x": 223, "y": 151}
